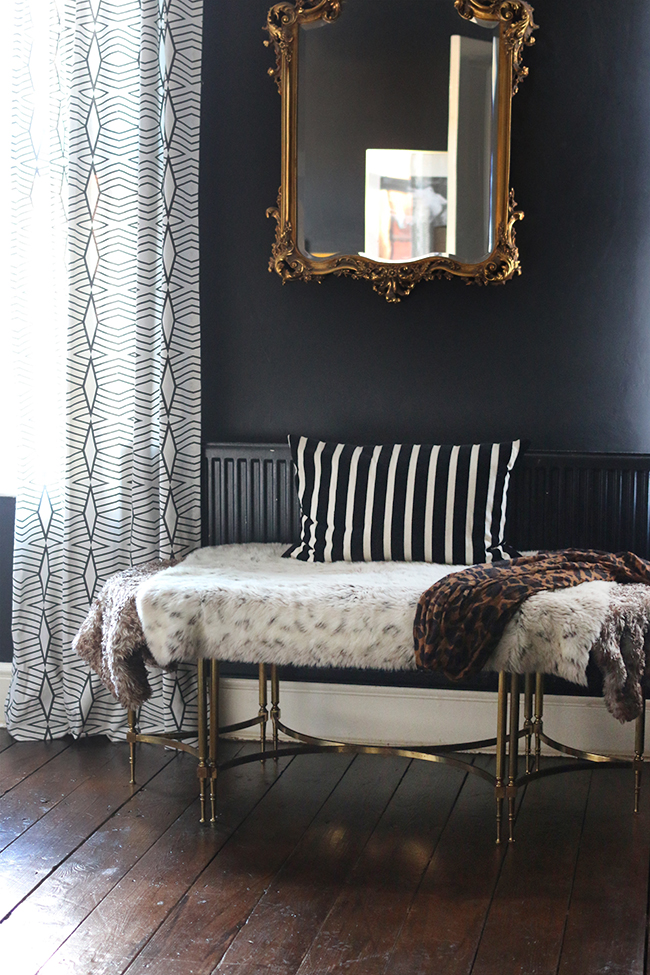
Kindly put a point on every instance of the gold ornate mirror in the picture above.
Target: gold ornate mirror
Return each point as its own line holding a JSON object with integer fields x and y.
{"x": 396, "y": 139}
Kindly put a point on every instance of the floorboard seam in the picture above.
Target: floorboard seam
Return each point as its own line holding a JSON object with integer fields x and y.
{"x": 647, "y": 922}
{"x": 465, "y": 777}
{"x": 575, "y": 870}
{"x": 227, "y": 839}
{"x": 215, "y": 970}
{"x": 55, "y": 804}
{"x": 71, "y": 853}
{"x": 190, "y": 803}
{"x": 97, "y": 904}
{"x": 497, "y": 878}
{"x": 33, "y": 771}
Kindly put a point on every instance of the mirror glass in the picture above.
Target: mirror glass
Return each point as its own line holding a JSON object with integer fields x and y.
{"x": 396, "y": 132}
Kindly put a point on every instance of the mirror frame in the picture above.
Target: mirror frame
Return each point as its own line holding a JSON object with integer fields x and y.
{"x": 395, "y": 281}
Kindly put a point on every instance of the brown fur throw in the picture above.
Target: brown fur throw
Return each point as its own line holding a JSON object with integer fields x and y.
{"x": 111, "y": 640}
{"x": 621, "y": 650}
{"x": 460, "y": 620}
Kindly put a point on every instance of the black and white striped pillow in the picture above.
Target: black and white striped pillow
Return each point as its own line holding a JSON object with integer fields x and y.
{"x": 402, "y": 502}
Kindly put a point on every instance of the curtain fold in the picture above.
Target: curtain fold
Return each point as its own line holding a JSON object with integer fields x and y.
{"x": 106, "y": 334}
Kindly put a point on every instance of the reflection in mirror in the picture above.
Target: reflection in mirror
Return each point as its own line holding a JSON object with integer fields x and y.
{"x": 396, "y": 132}
{"x": 405, "y": 214}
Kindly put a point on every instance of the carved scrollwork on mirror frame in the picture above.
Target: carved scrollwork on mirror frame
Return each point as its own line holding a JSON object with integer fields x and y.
{"x": 452, "y": 213}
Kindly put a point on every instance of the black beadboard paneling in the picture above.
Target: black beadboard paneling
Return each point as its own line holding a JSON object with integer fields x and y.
{"x": 556, "y": 499}
{"x": 565, "y": 500}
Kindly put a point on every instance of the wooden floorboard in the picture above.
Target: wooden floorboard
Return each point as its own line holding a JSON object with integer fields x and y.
{"x": 5, "y": 739}
{"x": 364, "y": 924}
{"x": 606, "y": 926}
{"x": 26, "y": 862}
{"x": 198, "y": 932}
{"x": 275, "y": 940}
{"x": 38, "y": 793}
{"x": 125, "y": 920}
{"x": 25, "y": 757}
{"x": 317, "y": 865}
{"x": 446, "y": 920}
{"x": 525, "y": 924}
{"x": 73, "y": 892}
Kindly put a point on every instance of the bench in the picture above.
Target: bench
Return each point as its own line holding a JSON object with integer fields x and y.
{"x": 556, "y": 501}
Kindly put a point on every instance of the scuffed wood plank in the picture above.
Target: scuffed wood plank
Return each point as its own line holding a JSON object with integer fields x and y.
{"x": 447, "y": 914}
{"x": 26, "y": 862}
{"x": 24, "y": 757}
{"x": 38, "y": 794}
{"x": 6, "y": 741}
{"x": 123, "y": 922}
{"x": 361, "y": 930}
{"x": 71, "y": 893}
{"x": 525, "y": 923}
{"x": 199, "y": 930}
{"x": 281, "y": 928}
{"x": 607, "y": 920}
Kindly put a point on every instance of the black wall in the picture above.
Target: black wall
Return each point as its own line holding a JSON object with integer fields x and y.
{"x": 560, "y": 355}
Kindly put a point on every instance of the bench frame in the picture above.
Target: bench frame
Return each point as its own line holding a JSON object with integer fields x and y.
{"x": 506, "y": 781}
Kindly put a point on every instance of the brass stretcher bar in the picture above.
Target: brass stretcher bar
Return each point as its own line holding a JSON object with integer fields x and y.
{"x": 506, "y": 781}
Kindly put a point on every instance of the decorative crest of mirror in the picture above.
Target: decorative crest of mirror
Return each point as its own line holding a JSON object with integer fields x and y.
{"x": 396, "y": 139}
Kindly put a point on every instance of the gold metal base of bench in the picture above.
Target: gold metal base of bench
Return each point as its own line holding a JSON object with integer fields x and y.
{"x": 509, "y": 781}
{"x": 509, "y": 731}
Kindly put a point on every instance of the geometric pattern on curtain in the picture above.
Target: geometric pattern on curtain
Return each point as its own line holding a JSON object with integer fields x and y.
{"x": 116, "y": 172}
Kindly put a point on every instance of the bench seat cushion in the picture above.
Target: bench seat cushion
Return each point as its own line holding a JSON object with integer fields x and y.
{"x": 246, "y": 603}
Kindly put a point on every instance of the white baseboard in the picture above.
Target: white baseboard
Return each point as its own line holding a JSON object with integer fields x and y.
{"x": 407, "y": 715}
{"x": 414, "y": 716}
{"x": 5, "y": 677}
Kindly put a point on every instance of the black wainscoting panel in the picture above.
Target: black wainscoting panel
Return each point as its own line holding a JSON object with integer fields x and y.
{"x": 251, "y": 495}
{"x": 581, "y": 500}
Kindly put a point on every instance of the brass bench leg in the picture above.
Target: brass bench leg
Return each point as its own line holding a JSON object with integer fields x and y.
{"x": 639, "y": 747}
{"x": 539, "y": 717}
{"x": 275, "y": 706}
{"x": 513, "y": 758}
{"x": 502, "y": 709}
{"x": 263, "y": 713}
{"x": 131, "y": 740}
{"x": 213, "y": 741}
{"x": 202, "y": 770}
{"x": 528, "y": 719}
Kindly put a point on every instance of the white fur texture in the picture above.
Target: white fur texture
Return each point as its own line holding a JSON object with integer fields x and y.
{"x": 246, "y": 603}
{"x": 553, "y": 632}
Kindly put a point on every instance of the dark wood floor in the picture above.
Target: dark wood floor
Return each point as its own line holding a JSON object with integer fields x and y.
{"x": 318, "y": 865}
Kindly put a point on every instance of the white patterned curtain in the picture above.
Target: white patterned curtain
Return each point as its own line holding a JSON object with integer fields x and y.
{"x": 106, "y": 344}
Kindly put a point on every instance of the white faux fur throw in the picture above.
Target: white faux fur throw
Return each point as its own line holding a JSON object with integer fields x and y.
{"x": 555, "y": 632}
{"x": 245, "y": 603}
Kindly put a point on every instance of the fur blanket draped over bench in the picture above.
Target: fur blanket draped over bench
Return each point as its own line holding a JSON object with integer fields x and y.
{"x": 111, "y": 640}
{"x": 461, "y": 620}
{"x": 245, "y": 603}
